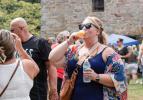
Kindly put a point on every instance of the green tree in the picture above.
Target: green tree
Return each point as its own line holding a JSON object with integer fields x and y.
{"x": 32, "y": 1}
{"x": 10, "y": 9}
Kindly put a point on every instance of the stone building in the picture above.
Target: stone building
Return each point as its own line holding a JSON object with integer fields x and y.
{"x": 118, "y": 16}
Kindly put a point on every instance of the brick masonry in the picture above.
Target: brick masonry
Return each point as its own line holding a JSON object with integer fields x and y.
{"x": 119, "y": 16}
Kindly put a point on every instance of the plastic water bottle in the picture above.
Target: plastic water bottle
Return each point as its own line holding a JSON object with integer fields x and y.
{"x": 86, "y": 66}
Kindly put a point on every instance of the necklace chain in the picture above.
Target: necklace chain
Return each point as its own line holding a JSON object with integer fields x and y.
{"x": 90, "y": 51}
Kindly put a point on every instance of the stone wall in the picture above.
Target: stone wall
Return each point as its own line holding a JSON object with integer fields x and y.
{"x": 119, "y": 16}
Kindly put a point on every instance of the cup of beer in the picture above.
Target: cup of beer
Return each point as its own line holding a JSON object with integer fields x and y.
{"x": 80, "y": 34}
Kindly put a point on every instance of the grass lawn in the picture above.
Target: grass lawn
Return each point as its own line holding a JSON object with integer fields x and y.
{"x": 135, "y": 91}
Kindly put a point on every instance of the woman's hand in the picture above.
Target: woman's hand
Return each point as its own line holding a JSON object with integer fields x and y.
{"x": 90, "y": 74}
{"x": 73, "y": 37}
{"x": 17, "y": 40}
{"x": 76, "y": 35}
{"x": 53, "y": 95}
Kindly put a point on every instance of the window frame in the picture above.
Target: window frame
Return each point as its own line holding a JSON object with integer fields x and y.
{"x": 98, "y": 5}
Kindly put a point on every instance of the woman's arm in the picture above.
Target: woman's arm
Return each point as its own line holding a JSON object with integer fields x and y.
{"x": 115, "y": 70}
{"x": 58, "y": 52}
{"x": 57, "y": 55}
{"x": 30, "y": 67}
{"x": 18, "y": 47}
{"x": 104, "y": 79}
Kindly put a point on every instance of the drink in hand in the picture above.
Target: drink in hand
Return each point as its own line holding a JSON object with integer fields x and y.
{"x": 86, "y": 67}
{"x": 80, "y": 34}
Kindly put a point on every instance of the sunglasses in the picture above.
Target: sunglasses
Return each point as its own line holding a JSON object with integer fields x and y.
{"x": 87, "y": 26}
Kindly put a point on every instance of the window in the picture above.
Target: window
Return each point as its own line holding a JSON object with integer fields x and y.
{"x": 97, "y": 5}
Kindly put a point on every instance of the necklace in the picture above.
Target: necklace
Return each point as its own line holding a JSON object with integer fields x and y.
{"x": 94, "y": 47}
{"x": 91, "y": 52}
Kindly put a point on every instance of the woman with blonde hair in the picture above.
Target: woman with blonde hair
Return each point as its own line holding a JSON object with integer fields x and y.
{"x": 106, "y": 77}
{"x": 16, "y": 74}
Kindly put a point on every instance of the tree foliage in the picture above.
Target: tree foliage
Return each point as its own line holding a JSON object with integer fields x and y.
{"x": 10, "y": 9}
{"x": 32, "y": 1}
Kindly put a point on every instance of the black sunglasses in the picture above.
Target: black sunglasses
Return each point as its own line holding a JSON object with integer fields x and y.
{"x": 87, "y": 26}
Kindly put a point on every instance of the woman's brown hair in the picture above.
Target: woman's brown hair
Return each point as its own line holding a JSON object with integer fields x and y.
{"x": 6, "y": 44}
{"x": 102, "y": 37}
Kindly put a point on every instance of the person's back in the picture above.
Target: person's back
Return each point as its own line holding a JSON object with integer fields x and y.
{"x": 20, "y": 85}
{"x": 17, "y": 75}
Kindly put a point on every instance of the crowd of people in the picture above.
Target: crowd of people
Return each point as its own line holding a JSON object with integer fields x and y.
{"x": 131, "y": 57}
{"x": 33, "y": 68}
{"x": 38, "y": 49}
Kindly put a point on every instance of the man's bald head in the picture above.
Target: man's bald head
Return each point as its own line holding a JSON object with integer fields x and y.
{"x": 20, "y": 22}
{"x": 19, "y": 26}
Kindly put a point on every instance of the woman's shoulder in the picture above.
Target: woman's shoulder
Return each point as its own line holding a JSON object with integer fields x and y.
{"x": 27, "y": 61}
{"x": 107, "y": 50}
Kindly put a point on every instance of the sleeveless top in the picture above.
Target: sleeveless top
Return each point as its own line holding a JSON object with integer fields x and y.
{"x": 114, "y": 67}
{"x": 92, "y": 90}
{"x": 20, "y": 85}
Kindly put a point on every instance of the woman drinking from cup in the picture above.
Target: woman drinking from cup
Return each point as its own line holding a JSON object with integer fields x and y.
{"x": 106, "y": 71}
